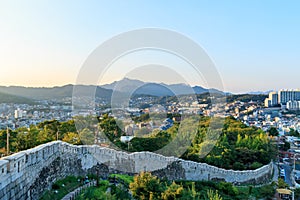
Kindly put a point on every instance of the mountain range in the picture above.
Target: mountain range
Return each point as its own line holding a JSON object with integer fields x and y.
{"x": 9, "y": 98}
{"x": 134, "y": 87}
{"x": 155, "y": 89}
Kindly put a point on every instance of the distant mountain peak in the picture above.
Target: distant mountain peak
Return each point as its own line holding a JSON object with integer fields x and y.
{"x": 126, "y": 85}
{"x": 155, "y": 89}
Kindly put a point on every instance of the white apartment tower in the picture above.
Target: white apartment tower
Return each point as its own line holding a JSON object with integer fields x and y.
{"x": 272, "y": 100}
{"x": 282, "y": 97}
{"x": 285, "y": 96}
{"x": 293, "y": 105}
{"x": 18, "y": 113}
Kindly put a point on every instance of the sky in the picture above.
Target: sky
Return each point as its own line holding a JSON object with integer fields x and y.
{"x": 253, "y": 44}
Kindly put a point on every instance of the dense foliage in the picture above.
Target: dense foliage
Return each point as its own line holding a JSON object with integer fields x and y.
{"x": 246, "y": 97}
{"x": 238, "y": 147}
{"x": 25, "y": 138}
{"x": 232, "y": 145}
{"x": 8, "y": 98}
{"x": 146, "y": 186}
{"x": 235, "y": 146}
{"x": 62, "y": 187}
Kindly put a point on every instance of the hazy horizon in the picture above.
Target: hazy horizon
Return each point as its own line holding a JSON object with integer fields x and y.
{"x": 134, "y": 79}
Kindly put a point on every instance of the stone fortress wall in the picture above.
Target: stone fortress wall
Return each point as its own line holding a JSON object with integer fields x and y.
{"x": 25, "y": 175}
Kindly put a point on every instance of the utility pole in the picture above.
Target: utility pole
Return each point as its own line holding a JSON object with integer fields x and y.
{"x": 57, "y": 134}
{"x": 294, "y": 161}
{"x": 7, "y": 141}
{"x": 293, "y": 195}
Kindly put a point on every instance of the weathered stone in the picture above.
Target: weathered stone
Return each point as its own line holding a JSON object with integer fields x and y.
{"x": 27, "y": 174}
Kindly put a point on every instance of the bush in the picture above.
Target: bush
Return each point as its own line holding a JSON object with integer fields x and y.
{"x": 297, "y": 193}
{"x": 104, "y": 183}
{"x": 55, "y": 186}
{"x": 255, "y": 165}
{"x": 238, "y": 166}
{"x": 228, "y": 188}
{"x": 267, "y": 191}
{"x": 92, "y": 176}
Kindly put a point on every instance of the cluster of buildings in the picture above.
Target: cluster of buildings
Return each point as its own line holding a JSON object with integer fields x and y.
{"x": 132, "y": 130}
{"x": 24, "y": 115}
{"x": 289, "y": 99}
{"x": 253, "y": 114}
{"x": 273, "y": 112}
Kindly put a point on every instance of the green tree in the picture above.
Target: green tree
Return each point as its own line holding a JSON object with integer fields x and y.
{"x": 267, "y": 191}
{"x": 110, "y": 127}
{"x": 297, "y": 193}
{"x": 173, "y": 191}
{"x": 294, "y": 132}
{"x": 21, "y": 142}
{"x": 286, "y": 146}
{"x": 282, "y": 183}
{"x": 238, "y": 146}
{"x": 213, "y": 195}
{"x": 72, "y": 138}
{"x": 145, "y": 186}
{"x": 87, "y": 136}
{"x": 273, "y": 131}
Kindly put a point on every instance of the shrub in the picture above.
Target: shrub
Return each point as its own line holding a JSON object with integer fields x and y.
{"x": 255, "y": 165}
{"x": 55, "y": 186}
{"x": 238, "y": 166}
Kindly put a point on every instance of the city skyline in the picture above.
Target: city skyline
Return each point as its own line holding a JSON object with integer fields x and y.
{"x": 253, "y": 44}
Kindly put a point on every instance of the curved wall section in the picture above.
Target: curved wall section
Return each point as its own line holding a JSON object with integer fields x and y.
{"x": 25, "y": 175}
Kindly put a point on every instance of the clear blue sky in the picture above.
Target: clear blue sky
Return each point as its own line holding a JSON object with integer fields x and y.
{"x": 254, "y": 44}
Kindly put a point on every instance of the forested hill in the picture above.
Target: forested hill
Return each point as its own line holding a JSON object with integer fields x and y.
{"x": 66, "y": 91}
{"x": 46, "y": 93}
{"x": 8, "y": 98}
{"x": 246, "y": 97}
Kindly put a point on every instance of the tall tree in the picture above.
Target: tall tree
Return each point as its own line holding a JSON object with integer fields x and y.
{"x": 145, "y": 186}
{"x": 273, "y": 131}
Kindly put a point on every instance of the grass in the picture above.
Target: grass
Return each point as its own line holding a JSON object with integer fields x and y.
{"x": 126, "y": 178}
{"x": 63, "y": 187}
{"x": 230, "y": 192}
{"x": 99, "y": 192}
{"x": 266, "y": 191}
{"x": 120, "y": 191}
{"x": 116, "y": 192}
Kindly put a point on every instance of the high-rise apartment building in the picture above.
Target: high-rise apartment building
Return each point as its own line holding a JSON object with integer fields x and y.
{"x": 293, "y": 105}
{"x": 18, "y": 113}
{"x": 272, "y": 100}
{"x": 282, "y": 97}
{"x": 288, "y": 95}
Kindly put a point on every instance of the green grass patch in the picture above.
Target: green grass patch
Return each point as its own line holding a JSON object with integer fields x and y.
{"x": 98, "y": 193}
{"x": 229, "y": 191}
{"x": 123, "y": 177}
{"x": 63, "y": 187}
